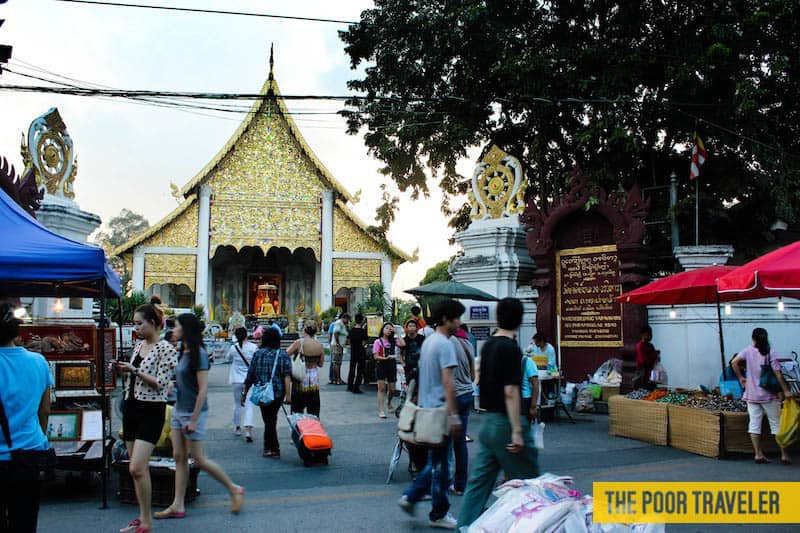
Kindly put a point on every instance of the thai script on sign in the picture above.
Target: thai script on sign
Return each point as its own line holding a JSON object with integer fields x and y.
{"x": 586, "y": 287}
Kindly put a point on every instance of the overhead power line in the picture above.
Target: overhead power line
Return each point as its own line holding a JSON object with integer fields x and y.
{"x": 208, "y": 11}
{"x": 159, "y": 98}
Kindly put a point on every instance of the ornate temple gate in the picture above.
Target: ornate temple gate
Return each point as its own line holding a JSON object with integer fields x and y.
{"x": 587, "y": 247}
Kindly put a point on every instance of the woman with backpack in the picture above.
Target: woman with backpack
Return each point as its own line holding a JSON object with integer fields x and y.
{"x": 761, "y": 359}
{"x": 240, "y": 355}
{"x": 190, "y": 418}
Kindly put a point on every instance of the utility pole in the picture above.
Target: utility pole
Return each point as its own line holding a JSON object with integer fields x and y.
{"x": 673, "y": 206}
{"x": 5, "y": 49}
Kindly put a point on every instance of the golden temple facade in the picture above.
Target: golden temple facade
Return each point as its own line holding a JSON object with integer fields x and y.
{"x": 263, "y": 228}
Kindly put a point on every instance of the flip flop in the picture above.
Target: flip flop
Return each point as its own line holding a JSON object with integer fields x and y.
{"x": 135, "y": 523}
{"x": 168, "y": 513}
{"x": 762, "y": 461}
{"x": 786, "y": 461}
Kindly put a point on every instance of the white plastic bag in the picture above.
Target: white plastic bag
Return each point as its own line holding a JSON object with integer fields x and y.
{"x": 538, "y": 435}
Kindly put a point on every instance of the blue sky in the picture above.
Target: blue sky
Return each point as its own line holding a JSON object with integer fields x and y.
{"x": 129, "y": 153}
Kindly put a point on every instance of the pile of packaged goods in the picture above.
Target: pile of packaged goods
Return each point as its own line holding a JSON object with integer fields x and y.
{"x": 546, "y": 503}
{"x": 695, "y": 399}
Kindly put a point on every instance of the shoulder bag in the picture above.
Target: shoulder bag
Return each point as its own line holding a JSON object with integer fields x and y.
{"x": 769, "y": 381}
{"x": 422, "y": 426}
{"x": 28, "y": 464}
{"x": 264, "y": 393}
{"x": 299, "y": 365}
{"x": 246, "y": 364}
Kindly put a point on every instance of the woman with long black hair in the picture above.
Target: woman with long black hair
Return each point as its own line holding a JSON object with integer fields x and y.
{"x": 190, "y": 418}
{"x": 385, "y": 351}
{"x": 149, "y": 375}
{"x": 761, "y": 401}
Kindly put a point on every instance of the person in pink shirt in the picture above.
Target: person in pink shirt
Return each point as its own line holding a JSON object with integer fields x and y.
{"x": 760, "y": 401}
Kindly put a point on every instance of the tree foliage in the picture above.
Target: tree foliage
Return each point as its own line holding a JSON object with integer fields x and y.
{"x": 122, "y": 228}
{"x": 615, "y": 87}
{"x": 437, "y": 272}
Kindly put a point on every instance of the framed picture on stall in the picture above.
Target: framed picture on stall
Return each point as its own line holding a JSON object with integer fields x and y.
{"x": 74, "y": 375}
{"x": 64, "y": 425}
{"x": 104, "y": 370}
{"x": 59, "y": 342}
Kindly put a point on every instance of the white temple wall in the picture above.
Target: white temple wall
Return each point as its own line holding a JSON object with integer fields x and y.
{"x": 689, "y": 343}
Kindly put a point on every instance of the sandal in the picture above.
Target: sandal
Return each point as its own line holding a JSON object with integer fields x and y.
{"x": 142, "y": 529}
{"x": 381, "y": 415}
{"x": 237, "y": 500}
{"x": 786, "y": 461}
{"x": 135, "y": 523}
{"x": 452, "y": 490}
{"x": 168, "y": 513}
{"x": 762, "y": 460}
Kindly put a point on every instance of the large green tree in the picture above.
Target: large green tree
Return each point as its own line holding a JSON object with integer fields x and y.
{"x": 616, "y": 87}
{"x": 121, "y": 228}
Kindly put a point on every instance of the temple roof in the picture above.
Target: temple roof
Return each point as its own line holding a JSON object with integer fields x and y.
{"x": 270, "y": 87}
{"x": 189, "y": 190}
{"x": 149, "y": 232}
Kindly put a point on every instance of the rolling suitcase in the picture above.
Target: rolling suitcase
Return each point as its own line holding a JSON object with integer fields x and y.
{"x": 309, "y": 437}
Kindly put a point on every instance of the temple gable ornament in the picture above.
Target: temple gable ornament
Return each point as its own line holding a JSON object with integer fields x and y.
{"x": 498, "y": 186}
{"x": 49, "y": 152}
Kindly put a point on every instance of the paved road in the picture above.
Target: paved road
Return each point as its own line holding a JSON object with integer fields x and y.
{"x": 351, "y": 494}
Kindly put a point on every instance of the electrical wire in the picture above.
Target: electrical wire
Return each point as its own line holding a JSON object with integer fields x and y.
{"x": 208, "y": 11}
{"x": 160, "y": 98}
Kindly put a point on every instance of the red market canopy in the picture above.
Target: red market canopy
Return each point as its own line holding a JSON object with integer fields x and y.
{"x": 691, "y": 287}
{"x": 774, "y": 274}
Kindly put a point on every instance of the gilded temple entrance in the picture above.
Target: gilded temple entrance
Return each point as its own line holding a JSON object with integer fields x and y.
{"x": 272, "y": 285}
{"x": 264, "y": 295}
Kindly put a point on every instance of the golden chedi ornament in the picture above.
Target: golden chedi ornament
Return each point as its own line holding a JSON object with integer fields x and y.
{"x": 498, "y": 186}
{"x": 49, "y": 152}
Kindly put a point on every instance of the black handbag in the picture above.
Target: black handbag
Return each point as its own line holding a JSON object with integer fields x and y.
{"x": 27, "y": 464}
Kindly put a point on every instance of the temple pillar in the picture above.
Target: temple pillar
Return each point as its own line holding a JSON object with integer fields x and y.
{"x": 138, "y": 269}
{"x": 326, "y": 261}
{"x": 201, "y": 280}
{"x": 386, "y": 276}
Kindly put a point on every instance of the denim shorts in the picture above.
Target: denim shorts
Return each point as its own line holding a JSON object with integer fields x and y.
{"x": 181, "y": 418}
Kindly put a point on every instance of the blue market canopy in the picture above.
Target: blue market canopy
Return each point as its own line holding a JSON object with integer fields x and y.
{"x": 34, "y": 261}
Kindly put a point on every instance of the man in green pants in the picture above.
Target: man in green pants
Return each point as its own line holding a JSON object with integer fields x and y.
{"x": 503, "y": 443}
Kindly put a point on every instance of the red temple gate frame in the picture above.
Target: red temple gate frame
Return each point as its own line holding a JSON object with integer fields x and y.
{"x": 595, "y": 232}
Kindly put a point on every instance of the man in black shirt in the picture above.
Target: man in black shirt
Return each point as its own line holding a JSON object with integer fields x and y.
{"x": 358, "y": 355}
{"x": 412, "y": 349}
{"x": 503, "y": 442}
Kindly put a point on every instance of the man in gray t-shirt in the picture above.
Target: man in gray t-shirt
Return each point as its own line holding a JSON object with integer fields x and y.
{"x": 437, "y": 353}
{"x": 436, "y": 388}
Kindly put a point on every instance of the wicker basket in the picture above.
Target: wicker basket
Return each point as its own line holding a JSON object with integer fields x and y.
{"x": 638, "y": 419}
{"x": 695, "y": 430}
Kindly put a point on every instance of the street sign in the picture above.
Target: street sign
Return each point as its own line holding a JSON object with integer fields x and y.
{"x": 479, "y": 312}
{"x": 481, "y": 333}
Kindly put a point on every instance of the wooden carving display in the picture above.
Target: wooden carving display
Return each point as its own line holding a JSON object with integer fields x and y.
{"x": 59, "y": 342}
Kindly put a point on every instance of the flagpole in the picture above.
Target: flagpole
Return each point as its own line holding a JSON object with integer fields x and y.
{"x": 697, "y": 211}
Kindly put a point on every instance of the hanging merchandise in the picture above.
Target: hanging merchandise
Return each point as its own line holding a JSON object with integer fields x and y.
{"x": 538, "y": 435}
